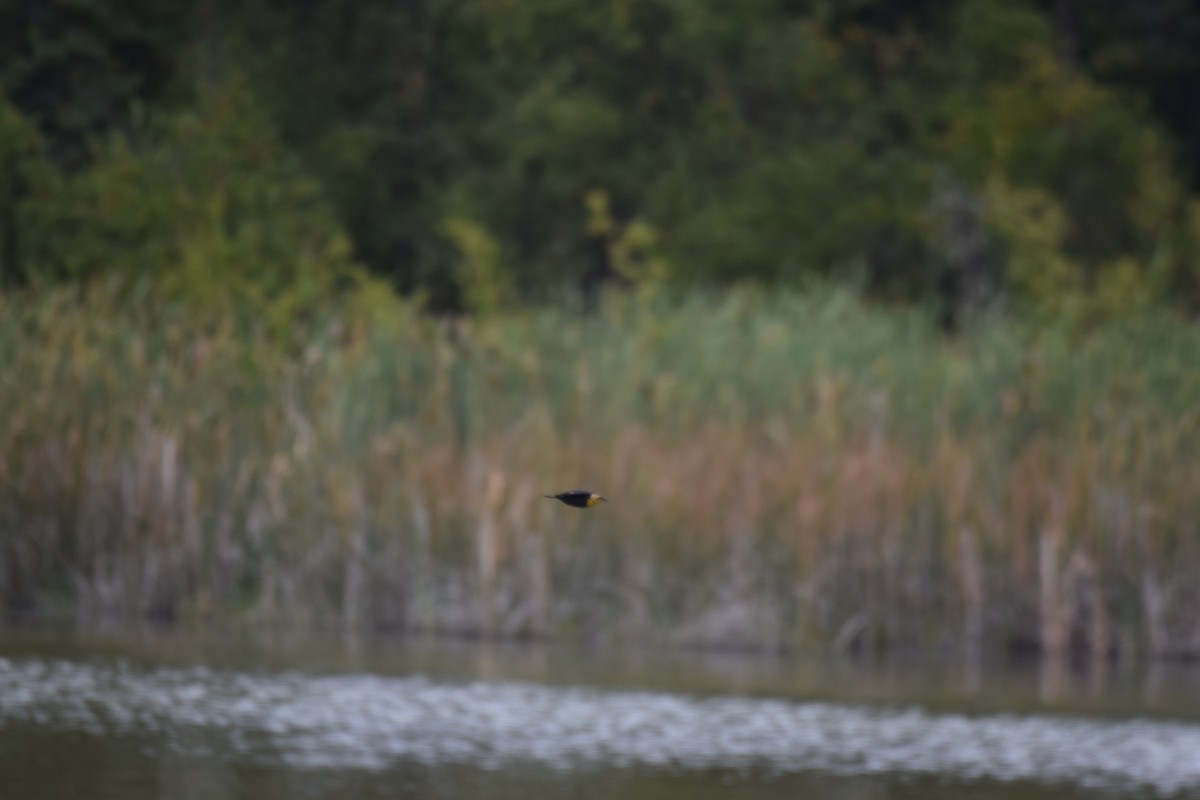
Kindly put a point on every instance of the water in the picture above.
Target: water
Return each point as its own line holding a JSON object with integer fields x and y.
{"x": 186, "y": 719}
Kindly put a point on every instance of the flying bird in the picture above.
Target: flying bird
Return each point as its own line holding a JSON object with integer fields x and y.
{"x": 579, "y": 498}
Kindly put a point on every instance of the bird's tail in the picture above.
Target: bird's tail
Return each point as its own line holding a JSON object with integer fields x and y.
{"x": 549, "y": 497}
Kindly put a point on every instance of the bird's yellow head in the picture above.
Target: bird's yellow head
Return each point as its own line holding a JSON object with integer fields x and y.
{"x": 594, "y": 498}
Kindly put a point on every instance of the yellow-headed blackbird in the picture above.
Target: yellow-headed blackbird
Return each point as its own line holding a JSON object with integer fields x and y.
{"x": 579, "y": 498}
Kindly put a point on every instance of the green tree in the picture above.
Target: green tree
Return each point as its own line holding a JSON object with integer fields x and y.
{"x": 208, "y": 206}
{"x": 78, "y": 68}
{"x": 23, "y": 166}
{"x": 484, "y": 153}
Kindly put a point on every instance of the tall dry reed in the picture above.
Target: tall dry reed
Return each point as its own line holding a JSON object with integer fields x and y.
{"x": 783, "y": 470}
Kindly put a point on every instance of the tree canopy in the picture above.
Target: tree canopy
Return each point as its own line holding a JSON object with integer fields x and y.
{"x": 483, "y": 153}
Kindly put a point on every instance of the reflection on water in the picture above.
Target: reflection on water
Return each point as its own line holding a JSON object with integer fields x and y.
{"x": 291, "y": 723}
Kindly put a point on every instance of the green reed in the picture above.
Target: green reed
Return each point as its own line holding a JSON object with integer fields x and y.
{"x": 784, "y": 469}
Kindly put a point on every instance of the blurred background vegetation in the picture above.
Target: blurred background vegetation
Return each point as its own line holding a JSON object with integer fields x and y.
{"x": 486, "y": 153}
{"x": 878, "y": 316}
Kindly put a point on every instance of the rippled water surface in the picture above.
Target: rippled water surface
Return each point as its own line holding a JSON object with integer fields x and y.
{"x": 132, "y": 723}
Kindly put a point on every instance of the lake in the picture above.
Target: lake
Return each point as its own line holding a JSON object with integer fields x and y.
{"x": 265, "y": 715}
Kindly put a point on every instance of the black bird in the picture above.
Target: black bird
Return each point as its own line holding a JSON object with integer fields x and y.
{"x": 579, "y": 498}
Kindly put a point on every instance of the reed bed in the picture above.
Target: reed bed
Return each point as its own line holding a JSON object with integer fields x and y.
{"x": 785, "y": 470}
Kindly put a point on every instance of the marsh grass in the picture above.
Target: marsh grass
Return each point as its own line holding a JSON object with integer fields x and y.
{"x": 784, "y": 469}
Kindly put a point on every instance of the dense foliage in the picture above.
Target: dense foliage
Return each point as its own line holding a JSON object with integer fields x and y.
{"x": 212, "y": 400}
{"x": 785, "y": 469}
{"x": 488, "y": 152}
